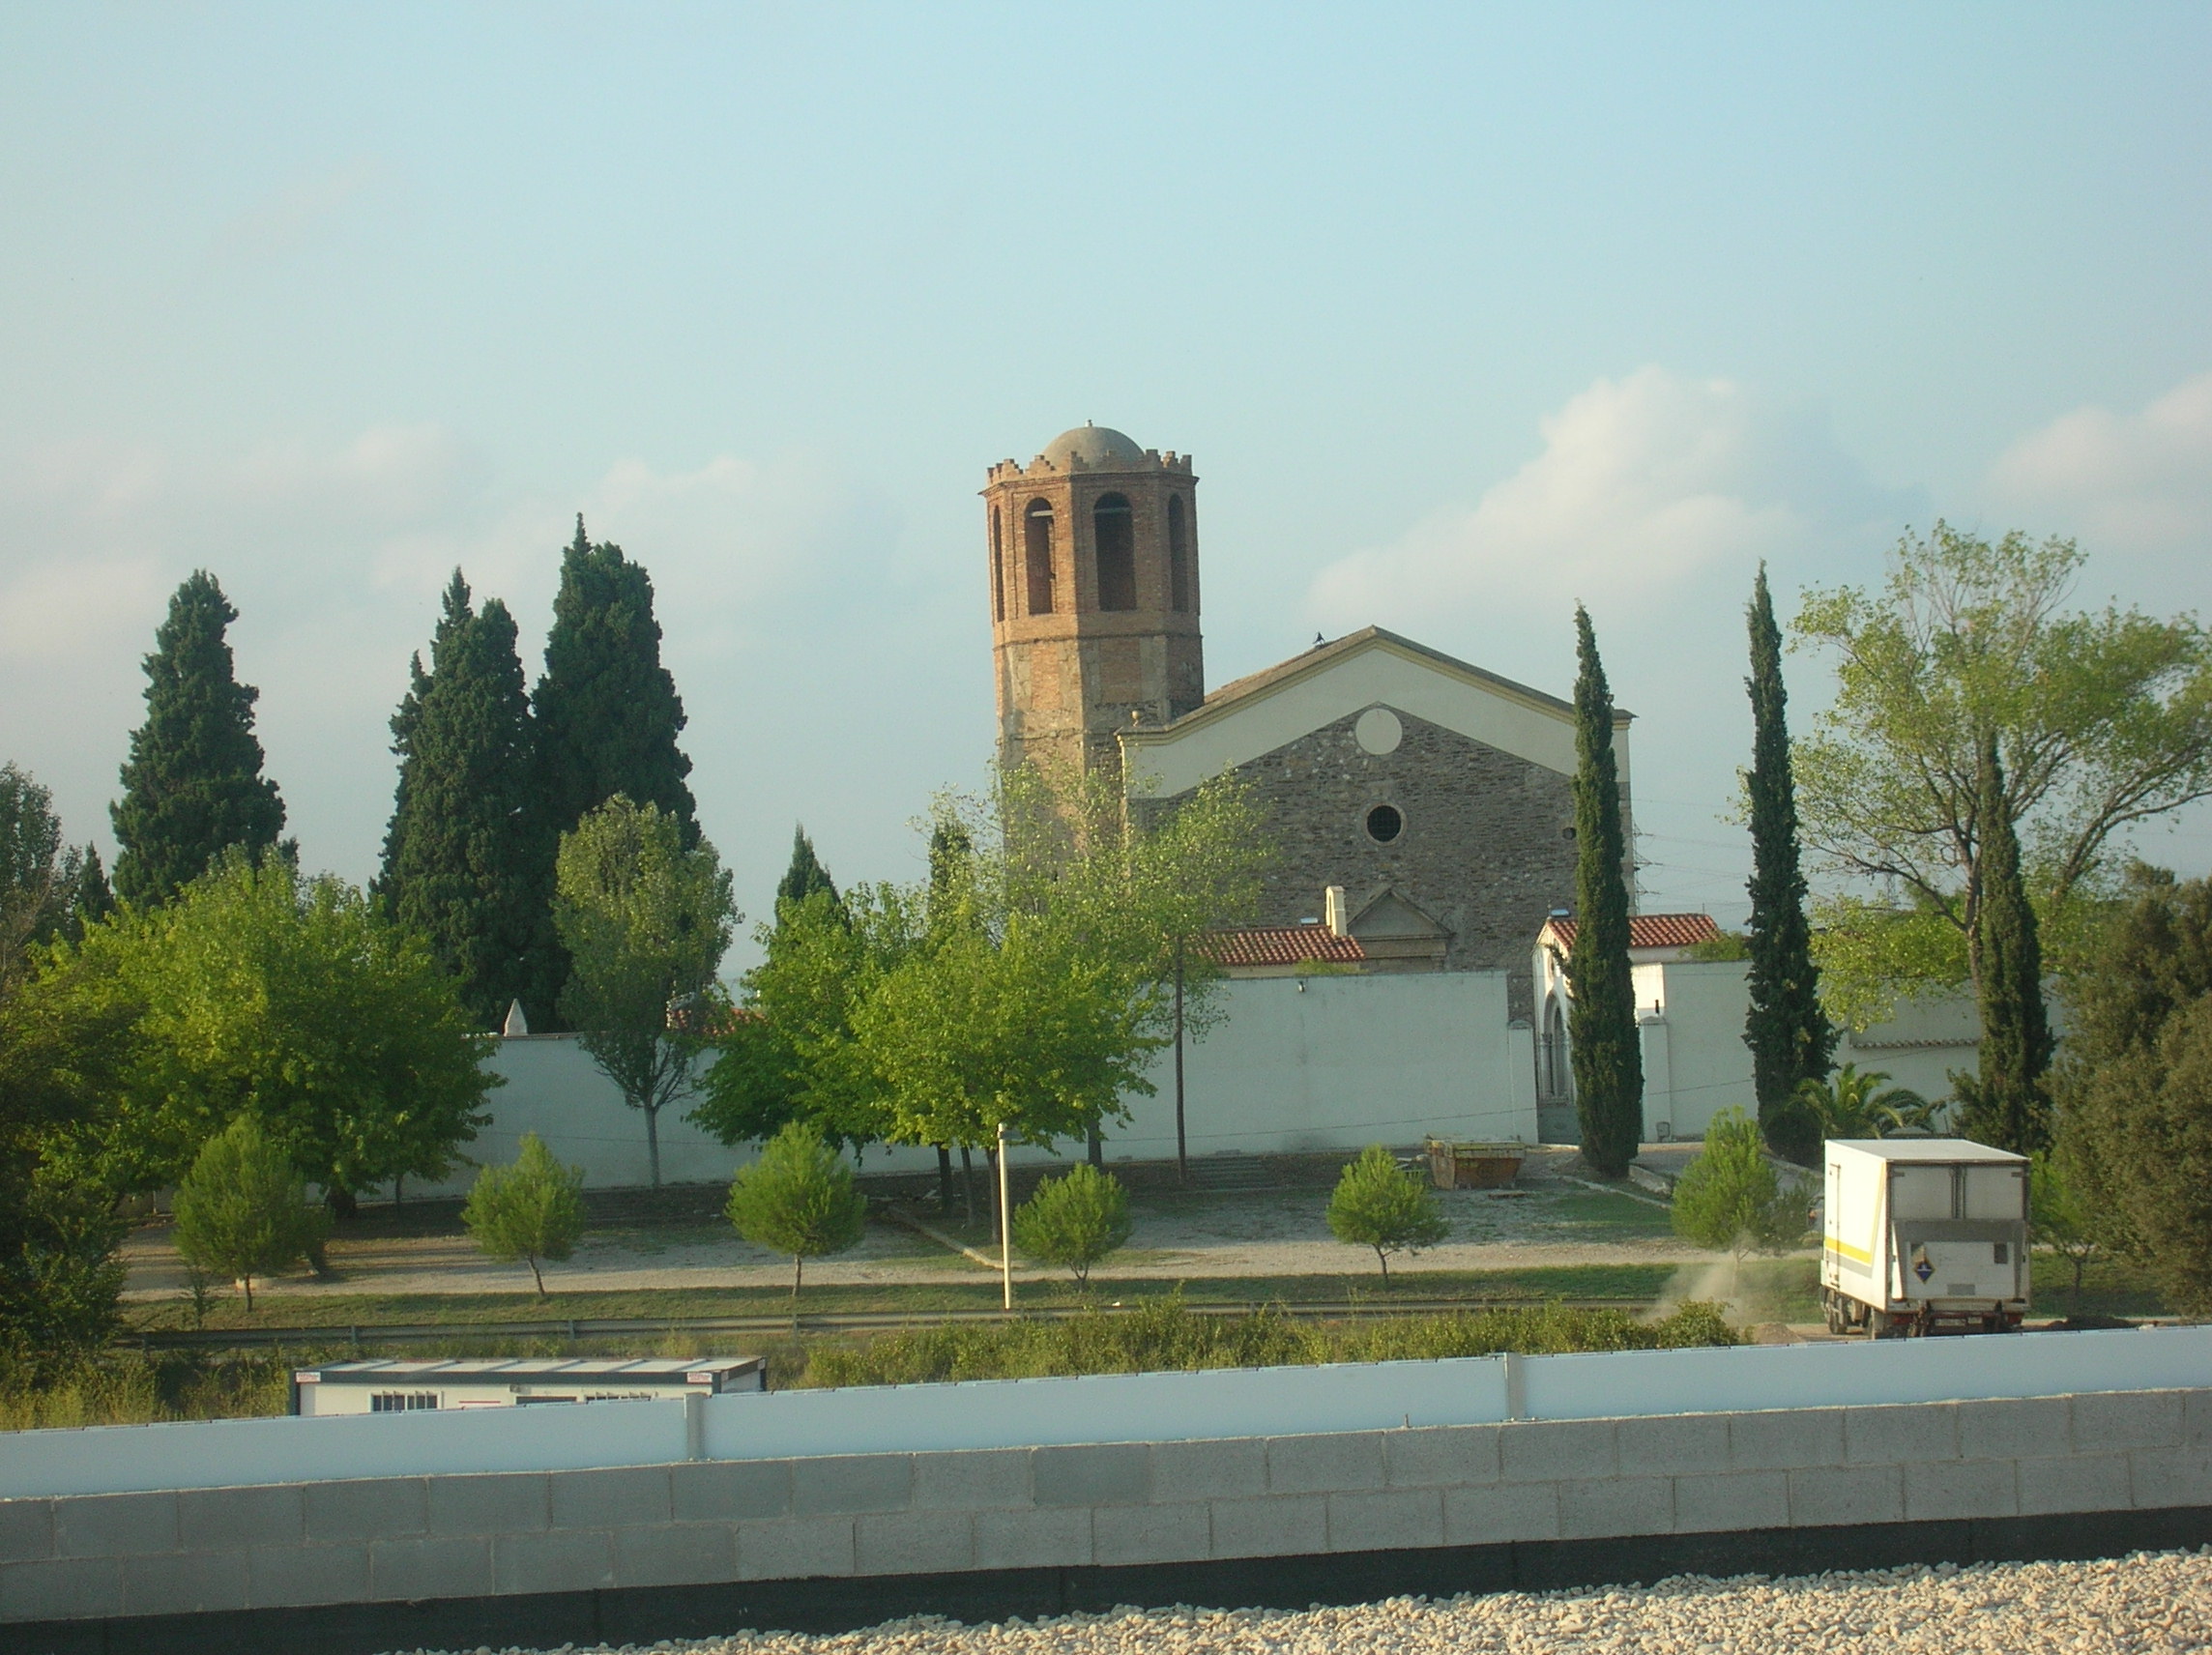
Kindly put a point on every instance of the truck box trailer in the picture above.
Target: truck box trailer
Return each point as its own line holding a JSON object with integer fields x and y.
{"x": 1923, "y": 1235}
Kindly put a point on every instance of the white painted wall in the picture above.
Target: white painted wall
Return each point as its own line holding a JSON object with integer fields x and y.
{"x": 1318, "y": 1064}
{"x": 1331, "y": 1062}
{"x": 554, "y": 1090}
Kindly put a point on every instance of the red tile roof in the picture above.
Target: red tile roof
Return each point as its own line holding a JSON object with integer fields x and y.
{"x": 1282, "y": 945}
{"x": 1651, "y": 930}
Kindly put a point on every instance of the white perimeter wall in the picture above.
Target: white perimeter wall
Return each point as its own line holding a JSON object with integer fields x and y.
{"x": 1331, "y": 1062}
{"x": 1690, "y": 1015}
{"x": 1338, "y": 1062}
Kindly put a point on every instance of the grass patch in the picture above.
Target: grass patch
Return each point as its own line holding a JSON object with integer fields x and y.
{"x": 1165, "y": 1336}
{"x": 367, "y": 1310}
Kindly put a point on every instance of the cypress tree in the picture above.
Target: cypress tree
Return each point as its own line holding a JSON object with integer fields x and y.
{"x": 2007, "y": 1104}
{"x": 193, "y": 786}
{"x": 1601, "y": 1021}
{"x": 806, "y": 875}
{"x": 1789, "y": 1037}
{"x": 462, "y": 861}
{"x": 607, "y": 710}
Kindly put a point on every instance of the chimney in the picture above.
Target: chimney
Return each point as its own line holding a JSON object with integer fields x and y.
{"x": 1337, "y": 914}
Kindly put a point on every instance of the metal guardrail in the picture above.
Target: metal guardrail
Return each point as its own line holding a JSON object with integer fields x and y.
{"x": 848, "y": 1322}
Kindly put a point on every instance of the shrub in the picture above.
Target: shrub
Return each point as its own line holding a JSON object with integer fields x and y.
{"x": 1074, "y": 1221}
{"x": 1377, "y": 1205}
{"x": 797, "y": 1199}
{"x": 1731, "y": 1200}
{"x": 531, "y": 1211}
{"x": 243, "y": 1211}
{"x": 1162, "y": 1335}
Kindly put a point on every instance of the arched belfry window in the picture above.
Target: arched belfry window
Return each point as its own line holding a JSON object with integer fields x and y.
{"x": 1178, "y": 557}
{"x": 998, "y": 572}
{"x": 1113, "y": 534}
{"x": 1037, "y": 535}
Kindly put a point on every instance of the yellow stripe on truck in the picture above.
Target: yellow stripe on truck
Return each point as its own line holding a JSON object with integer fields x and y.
{"x": 1843, "y": 1249}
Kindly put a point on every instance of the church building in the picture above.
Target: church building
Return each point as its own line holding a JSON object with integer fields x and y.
{"x": 1422, "y": 807}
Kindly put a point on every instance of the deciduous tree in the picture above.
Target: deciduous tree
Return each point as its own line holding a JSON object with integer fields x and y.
{"x": 2104, "y": 721}
{"x": 2134, "y": 1086}
{"x": 646, "y": 921}
{"x": 193, "y": 787}
{"x": 293, "y": 1001}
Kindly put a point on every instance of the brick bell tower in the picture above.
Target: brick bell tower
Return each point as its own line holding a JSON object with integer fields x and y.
{"x": 1093, "y": 549}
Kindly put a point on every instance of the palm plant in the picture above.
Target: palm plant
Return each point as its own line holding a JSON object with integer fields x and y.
{"x": 1855, "y": 1103}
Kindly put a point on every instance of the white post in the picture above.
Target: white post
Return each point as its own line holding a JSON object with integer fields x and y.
{"x": 1005, "y": 1225}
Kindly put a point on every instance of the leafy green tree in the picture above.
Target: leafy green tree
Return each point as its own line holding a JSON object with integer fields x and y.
{"x": 42, "y": 879}
{"x": 464, "y": 858}
{"x": 788, "y": 1051}
{"x": 61, "y": 1052}
{"x": 1377, "y": 1203}
{"x": 296, "y": 1003}
{"x": 1858, "y": 1103}
{"x": 646, "y": 920}
{"x": 1789, "y": 1037}
{"x": 243, "y": 1211}
{"x": 1601, "y": 1018}
{"x": 2134, "y": 1086}
{"x": 193, "y": 786}
{"x": 2104, "y": 721}
{"x": 806, "y": 876}
{"x": 1074, "y": 1220}
{"x": 2006, "y": 1103}
{"x": 531, "y": 1211}
{"x": 1731, "y": 1200}
{"x": 2061, "y": 1220}
{"x": 797, "y": 1199}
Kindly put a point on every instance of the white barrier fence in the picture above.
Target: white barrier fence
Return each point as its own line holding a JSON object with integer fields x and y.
{"x": 1116, "y": 1408}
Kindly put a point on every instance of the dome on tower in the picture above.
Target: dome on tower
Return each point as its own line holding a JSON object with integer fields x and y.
{"x": 1093, "y": 447}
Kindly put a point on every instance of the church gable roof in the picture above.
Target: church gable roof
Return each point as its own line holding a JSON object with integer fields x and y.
{"x": 1371, "y": 667}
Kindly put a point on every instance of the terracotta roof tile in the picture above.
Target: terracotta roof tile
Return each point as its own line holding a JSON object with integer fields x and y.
{"x": 1651, "y": 930}
{"x": 1281, "y": 946}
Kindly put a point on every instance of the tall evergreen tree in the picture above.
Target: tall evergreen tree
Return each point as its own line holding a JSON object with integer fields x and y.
{"x": 1601, "y": 1021}
{"x": 607, "y": 710}
{"x": 806, "y": 875}
{"x": 193, "y": 786}
{"x": 1789, "y": 1037}
{"x": 2007, "y": 1104}
{"x": 463, "y": 863}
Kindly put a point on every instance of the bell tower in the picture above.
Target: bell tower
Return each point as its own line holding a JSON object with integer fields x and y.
{"x": 1093, "y": 552}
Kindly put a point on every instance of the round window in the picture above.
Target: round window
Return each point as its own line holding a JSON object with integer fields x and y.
{"x": 1384, "y": 824}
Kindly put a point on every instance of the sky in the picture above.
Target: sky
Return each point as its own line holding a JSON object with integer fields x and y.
{"x": 1466, "y": 313}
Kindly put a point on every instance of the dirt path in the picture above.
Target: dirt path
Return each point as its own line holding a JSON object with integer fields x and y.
{"x": 1549, "y": 1221}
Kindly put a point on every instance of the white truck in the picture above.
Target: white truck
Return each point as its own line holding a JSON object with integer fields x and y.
{"x": 1923, "y": 1235}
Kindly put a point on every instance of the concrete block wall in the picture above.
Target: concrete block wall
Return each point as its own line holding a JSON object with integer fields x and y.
{"x": 398, "y": 1539}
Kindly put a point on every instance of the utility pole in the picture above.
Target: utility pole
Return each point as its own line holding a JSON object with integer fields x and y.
{"x": 1183, "y": 1144}
{"x": 1005, "y": 1225}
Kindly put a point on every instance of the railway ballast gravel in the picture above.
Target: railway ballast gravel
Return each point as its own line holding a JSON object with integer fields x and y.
{"x": 2149, "y": 1604}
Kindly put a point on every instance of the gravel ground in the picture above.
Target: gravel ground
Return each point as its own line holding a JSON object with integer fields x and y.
{"x": 2150, "y": 1601}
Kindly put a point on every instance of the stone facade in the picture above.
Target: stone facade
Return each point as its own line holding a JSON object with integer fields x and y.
{"x": 1093, "y": 551}
{"x": 1485, "y": 847}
